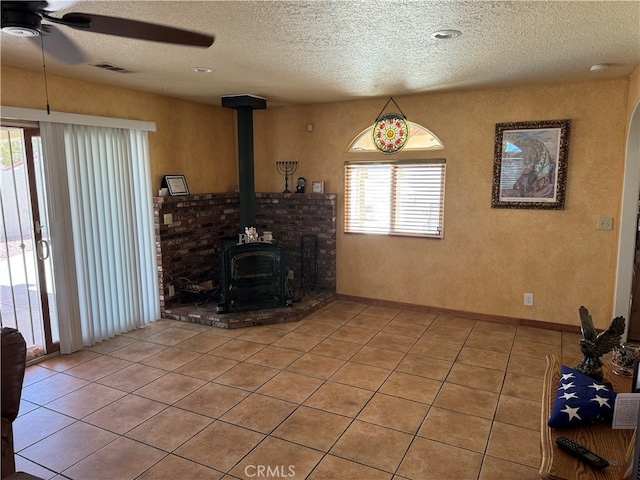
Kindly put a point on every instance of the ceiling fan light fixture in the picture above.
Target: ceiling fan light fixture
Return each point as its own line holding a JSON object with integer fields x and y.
{"x": 445, "y": 34}
{"x": 21, "y": 31}
{"x": 21, "y": 23}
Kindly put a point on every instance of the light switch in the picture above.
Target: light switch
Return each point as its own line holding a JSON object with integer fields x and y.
{"x": 605, "y": 223}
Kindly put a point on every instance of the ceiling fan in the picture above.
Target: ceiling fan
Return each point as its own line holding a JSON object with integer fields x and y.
{"x": 24, "y": 18}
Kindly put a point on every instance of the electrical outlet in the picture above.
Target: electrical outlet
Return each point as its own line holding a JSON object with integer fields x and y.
{"x": 605, "y": 223}
{"x": 172, "y": 291}
{"x": 528, "y": 299}
{"x": 168, "y": 218}
{"x": 290, "y": 275}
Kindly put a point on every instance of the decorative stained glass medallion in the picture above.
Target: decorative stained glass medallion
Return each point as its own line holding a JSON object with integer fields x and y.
{"x": 390, "y": 133}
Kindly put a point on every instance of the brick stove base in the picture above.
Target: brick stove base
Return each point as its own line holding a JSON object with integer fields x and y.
{"x": 308, "y": 303}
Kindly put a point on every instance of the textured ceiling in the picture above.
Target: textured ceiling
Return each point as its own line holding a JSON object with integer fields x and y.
{"x": 293, "y": 52}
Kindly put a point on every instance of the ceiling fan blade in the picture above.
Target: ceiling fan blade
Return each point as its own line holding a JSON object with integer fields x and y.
{"x": 123, "y": 27}
{"x": 59, "y": 46}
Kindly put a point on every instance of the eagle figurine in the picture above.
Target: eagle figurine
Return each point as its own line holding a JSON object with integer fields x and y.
{"x": 593, "y": 345}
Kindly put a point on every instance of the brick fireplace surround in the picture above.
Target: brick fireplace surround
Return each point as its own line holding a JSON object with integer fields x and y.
{"x": 189, "y": 246}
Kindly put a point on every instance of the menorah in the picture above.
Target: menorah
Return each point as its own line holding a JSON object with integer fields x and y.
{"x": 286, "y": 169}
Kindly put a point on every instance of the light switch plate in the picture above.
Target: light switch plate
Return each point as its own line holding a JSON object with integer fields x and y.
{"x": 605, "y": 223}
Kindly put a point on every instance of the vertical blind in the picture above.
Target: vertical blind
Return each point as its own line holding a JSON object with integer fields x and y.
{"x": 395, "y": 198}
{"x": 110, "y": 214}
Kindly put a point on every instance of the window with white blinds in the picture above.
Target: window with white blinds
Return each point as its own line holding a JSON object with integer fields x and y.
{"x": 395, "y": 198}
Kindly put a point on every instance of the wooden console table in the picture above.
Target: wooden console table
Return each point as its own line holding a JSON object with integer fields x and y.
{"x": 598, "y": 437}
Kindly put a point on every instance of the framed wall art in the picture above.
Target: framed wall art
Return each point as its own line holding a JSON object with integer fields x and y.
{"x": 530, "y": 164}
{"x": 176, "y": 184}
{"x": 317, "y": 186}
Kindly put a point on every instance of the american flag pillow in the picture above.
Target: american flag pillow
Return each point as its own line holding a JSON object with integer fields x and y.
{"x": 580, "y": 399}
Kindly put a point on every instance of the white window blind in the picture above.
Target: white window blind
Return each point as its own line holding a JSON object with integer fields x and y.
{"x": 395, "y": 198}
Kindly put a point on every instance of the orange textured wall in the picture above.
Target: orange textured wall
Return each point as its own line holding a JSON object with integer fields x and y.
{"x": 489, "y": 257}
{"x": 191, "y": 139}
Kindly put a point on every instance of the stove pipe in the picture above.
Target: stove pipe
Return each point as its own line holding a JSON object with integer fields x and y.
{"x": 244, "y": 105}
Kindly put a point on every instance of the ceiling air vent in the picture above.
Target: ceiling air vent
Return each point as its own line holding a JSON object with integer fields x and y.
{"x": 113, "y": 68}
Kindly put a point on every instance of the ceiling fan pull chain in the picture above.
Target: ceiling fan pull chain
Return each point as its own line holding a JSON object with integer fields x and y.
{"x": 44, "y": 71}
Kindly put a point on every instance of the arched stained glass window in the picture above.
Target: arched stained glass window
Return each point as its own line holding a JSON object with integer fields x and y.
{"x": 420, "y": 138}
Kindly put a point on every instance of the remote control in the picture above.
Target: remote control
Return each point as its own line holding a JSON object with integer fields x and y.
{"x": 581, "y": 452}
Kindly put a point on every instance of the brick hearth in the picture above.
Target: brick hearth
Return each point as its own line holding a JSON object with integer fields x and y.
{"x": 307, "y": 304}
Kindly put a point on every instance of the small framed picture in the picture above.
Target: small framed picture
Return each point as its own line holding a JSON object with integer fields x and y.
{"x": 317, "y": 187}
{"x": 176, "y": 184}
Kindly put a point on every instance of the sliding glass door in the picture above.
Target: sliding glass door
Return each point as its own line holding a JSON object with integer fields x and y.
{"x": 27, "y": 296}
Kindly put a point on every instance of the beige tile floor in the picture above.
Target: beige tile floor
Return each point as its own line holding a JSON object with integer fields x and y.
{"x": 354, "y": 391}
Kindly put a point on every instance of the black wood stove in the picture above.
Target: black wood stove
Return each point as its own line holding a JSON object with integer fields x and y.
{"x": 252, "y": 277}
{"x": 252, "y": 273}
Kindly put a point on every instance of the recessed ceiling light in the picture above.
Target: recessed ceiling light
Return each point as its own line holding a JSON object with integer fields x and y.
{"x": 201, "y": 69}
{"x": 599, "y": 67}
{"x": 445, "y": 34}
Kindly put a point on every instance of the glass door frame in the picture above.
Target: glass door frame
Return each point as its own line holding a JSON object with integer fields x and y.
{"x": 29, "y": 131}
{"x": 40, "y": 244}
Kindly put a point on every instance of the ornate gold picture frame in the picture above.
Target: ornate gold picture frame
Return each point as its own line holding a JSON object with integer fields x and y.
{"x": 530, "y": 164}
